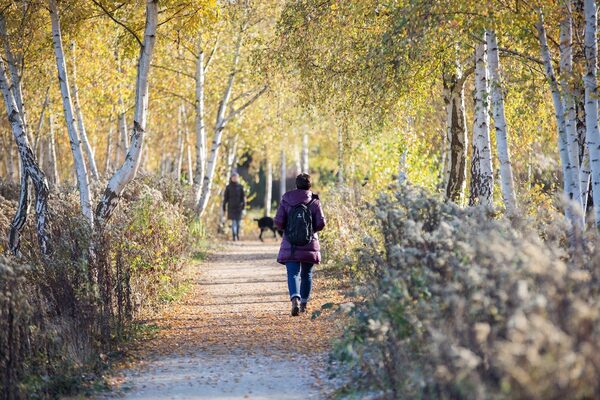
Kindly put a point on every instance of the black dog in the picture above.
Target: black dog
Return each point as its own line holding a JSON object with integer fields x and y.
{"x": 266, "y": 223}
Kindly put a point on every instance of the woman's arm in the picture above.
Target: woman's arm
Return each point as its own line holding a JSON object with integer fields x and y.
{"x": 318, "y": 216}
{"x": 281, "y": 215}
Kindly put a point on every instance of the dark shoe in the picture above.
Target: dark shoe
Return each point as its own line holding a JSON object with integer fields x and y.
{"x": 303, "y": 307}
{"x": 295, "y": 307}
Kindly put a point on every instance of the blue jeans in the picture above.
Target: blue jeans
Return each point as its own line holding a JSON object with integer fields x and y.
{"x": 299, "y": 276}
{"x": 235, "y": 227}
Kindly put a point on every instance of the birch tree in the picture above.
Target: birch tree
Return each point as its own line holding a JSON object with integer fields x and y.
{"x": 297, "y": 159}
{"x": 180, "y": 144}
{"x": 109, "y": 148}
{"x": 74, "y": 139}
{"x": 506, "y": 176}
{"x": 282, "y": 174}
{"x": 304, "y": 159}
{"x": 569, "y": 95}
{"x": 52, "y": 160}
{"x": 570, "y": 185}
{"x": 222, "y": 118}
{"x": 482, "y": 176}
{"x": 128, "y": 169}
{"x": 199, "y": 78}
{"x": 591, "y": 100}
{"x": 15, "y": 65}
{"x": 29, "y": 169}
{"x": 80, "y": 121}
{"x": 268, "y": 200}
{"x": 218, "y": 130}
{"x": 456, "y": 122}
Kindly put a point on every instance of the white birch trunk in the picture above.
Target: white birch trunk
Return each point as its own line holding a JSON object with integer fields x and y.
{"x": 506, "y": 176}
{"x": 455, "y": 174}
{"x": 569, "y": 93}
{"x": 200, "y": 127}
{"x": 123, "y": 134}
{"x": 482, "y": 176}
{"x": 282, "y": 174}
{"x": 126, "y": 173}
{"x": 189, "y": 162}
{"x": 268, "y": 188}
{"x": 80, "y": 121}
{"x": 180, "y": 145}
{"x": 218, "y": 135}
{"x": 52, "y": 160}
{"x": 11, "y": 165}
{"x": 231, "y": 157}
{"x": 585, "y": 172}
{"x": 591, "y": 101}
{"x": 40, "y": 124}
{"x": 298, "y": 160}
{"x": 445, "y": 170}
{"x": 80, "y": 167}
{"x": 304, "y": 162}
{"x": 569, "y": 187}
{"x": 14, "y": 66}
{"x": 109, "y": 150}
{"x": 29, "y": 169}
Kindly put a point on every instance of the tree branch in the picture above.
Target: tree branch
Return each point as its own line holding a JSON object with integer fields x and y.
{"x": 172, "y": 70}
{"x": 177, "y": 95}
{"x": 245, "y": 105}
{"x": 128, "y": 29}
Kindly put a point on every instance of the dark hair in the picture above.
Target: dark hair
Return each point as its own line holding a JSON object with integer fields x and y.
{"x": 303, "y": 181}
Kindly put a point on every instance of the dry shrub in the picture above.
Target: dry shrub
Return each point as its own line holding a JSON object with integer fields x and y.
{"x": 467, "y": 306}
{"x": 60, "y": 316}
{"x": 349, "y": 228}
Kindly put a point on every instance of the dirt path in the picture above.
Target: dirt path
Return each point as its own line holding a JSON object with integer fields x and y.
{"x": 233, "y": 338}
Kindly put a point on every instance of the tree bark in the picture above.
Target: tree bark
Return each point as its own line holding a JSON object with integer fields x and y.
{"x": 180, "y": 145}
{"x": 15, "y": 64}
{"x": 80, "y": 167}
{"x": 282, "y": 175}
{"x": 189, "y": 163}
{"x": 40, "y": 124}
{"x": 585, "y": 171}
{"x": 29, "y": 169}
{"x": 109, "y": 150}
{"x": 482, "y": 175}
{"x": 231, "y": 157}
{"x": 456, "y": 170}
{"x": 52, "y": 160}
{"x": 128, "y": 170}
{"x": 506, "y": 176}
{"x": 298, "y": 160}
{"x": 268, "y": 188}
{"x": 200, "y": 127}
{"x": 569, "y": 186}
{"x": 80, "y": 121}
{"x": 218, "y": 135}
{"x": 123, "y": 134}
{"x": 591, "y": 100}
{"x": 304, "y": 162}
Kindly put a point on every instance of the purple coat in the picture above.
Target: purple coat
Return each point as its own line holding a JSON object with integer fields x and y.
{"x": 311, "y": 253}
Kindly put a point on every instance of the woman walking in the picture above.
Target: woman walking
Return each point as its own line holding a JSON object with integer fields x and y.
{"x": 234, "y": 202}
{"x": 300, "y": 217}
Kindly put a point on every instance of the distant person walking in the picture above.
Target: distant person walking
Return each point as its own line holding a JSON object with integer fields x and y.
{"x": 300, "y": 217}
{"x": 234, "y": 202}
